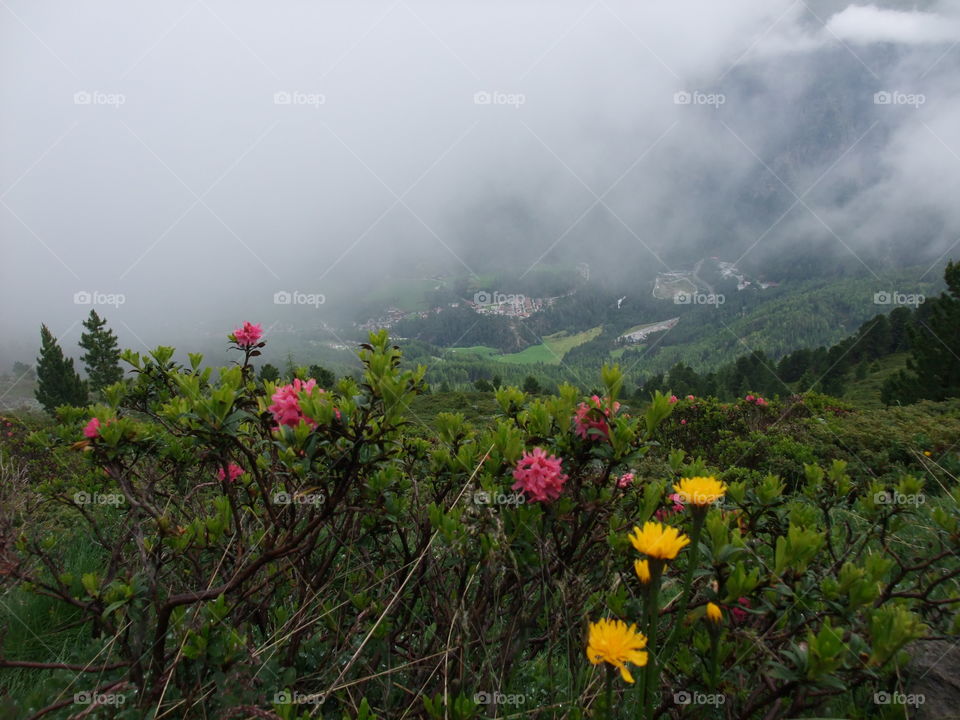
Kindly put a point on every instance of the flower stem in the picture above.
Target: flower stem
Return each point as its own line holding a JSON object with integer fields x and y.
{"x": 693, "y": 558}
{"x": 650, "y": 677}
{"x": 609, "y": 692}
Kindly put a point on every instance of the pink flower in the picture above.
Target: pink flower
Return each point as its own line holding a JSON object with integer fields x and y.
{"x": 683, "y": 422}
{"x": 749, "y": 398}
{"x": 674, "y": 399}
{"x": 92, "y": 429}
{"x": 761, "y": 401}
{"x": 593, "y": 416}
{"x": 625, "y": 480}
{"x": 539, "y": 475}
{"x": 677, "y": 502}
{"x": 738, "y": 613}
{"x": 286, "y": 403}
{"x": 690, "y": 397}
{"x": 233, "y": 472}
{"x": 248, "y": 334}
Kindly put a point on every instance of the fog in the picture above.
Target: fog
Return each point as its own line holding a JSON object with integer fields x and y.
{"x": 196, "y": 158}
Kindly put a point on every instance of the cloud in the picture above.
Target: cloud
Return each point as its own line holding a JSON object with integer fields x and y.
{"x": 865, "y": 24}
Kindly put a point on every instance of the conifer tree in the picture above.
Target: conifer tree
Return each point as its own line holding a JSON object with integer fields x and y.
{"x": 57, "y": 382}
{"x": 102, "y": 356}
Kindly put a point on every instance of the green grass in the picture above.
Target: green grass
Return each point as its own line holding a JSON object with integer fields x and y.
{"x": 552, "y": 349}
{"x": 484, "y": 351}
{"x": 866, "y": 393}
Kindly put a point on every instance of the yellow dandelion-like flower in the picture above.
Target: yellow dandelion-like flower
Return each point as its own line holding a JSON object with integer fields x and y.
{"x": 643, "y": 570}
{"x": 714, "y": 614}
{"x": 611, "y": 641}
{"x": 659, "y": 541}
{"x": 700, "y": 491}
{"x": 927, "y": 453}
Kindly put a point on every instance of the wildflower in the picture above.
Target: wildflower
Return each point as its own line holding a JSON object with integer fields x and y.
{"x": 593, "y": 416}
{"x": 714, "y": 613}
{"x": 683, "y": 422}
{"x": 690, "y": 397}
{"x": 658, "y": 541}
{"x": 642, "y": 568}
{"x": 92, "y": 429}
{"x": 539, "y": 475}
{"x": 247, "y": 334}
{"x": 749, "y": 398}
{"x": 761, "y": 402}
{"x": 700, "y": 491}
{"x": 286, "y": 403}
{"x": 625, "y": 480}
{"x": 663, "y": 513}
{"x": 738, "y": 613}
{"x": 927, "y": 453}
{"x": 611, "y": 641}
{"x": 674, "y": 399}
{"x": 233, "y": 472}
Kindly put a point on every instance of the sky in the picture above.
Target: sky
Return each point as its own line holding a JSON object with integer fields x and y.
{"x": 183, "y": 166}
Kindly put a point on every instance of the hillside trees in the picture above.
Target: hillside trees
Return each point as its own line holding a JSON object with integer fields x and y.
{"x": 102, "y": 354}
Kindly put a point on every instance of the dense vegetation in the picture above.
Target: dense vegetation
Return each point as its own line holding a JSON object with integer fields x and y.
{"x": 204, "y": 542}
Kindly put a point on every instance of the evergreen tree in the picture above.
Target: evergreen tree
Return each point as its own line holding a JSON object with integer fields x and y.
{"x": 324, "y": 377}
{"x": 102, "y": 356}
{"x": 57, "y": 382}
{"x": 269, "y": 373}
{"x": 531, "y": 385}
{"x": 933, "y": 370}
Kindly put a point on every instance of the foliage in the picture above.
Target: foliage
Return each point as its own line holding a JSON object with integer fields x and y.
{"x": 102, "y": 355}
{"x": 359, "y": 564}
{"x": 57, "y": 382}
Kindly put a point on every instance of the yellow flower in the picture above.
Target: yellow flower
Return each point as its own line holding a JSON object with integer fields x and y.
{"x": 700, "y": 491}
{"x": 659, "y": 541}
{"x": 713, "y": 613}
{"x": 643, "y": 570}
{"x": 613, "y": 642}
{"x": 927, "y": 453}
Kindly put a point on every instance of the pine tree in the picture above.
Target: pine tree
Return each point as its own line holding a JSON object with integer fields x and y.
{"x": 57, "y": 382}
{"x": 933, "y": 370}
{"x": 102, "y": 356}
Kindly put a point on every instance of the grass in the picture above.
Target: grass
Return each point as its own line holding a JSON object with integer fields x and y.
{"x": 552, "y": 349}
{"x": 484, "y": 351}
{"x": 866, "y": 393}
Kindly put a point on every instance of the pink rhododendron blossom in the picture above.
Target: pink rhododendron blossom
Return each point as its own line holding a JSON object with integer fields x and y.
{"x": 248, "y": 334}
{"x": 690, "y": 397}
{"x": 749, "y": 398}
{"x": 683, "y": 422}
{"x": 663, "y": 513}
{"x": 92, "y": 429}
{"x": 674, "y": 399}
{"x": 625, "y": 480}
{"x": 539, "y": 475}
{"x": 738, "y": 613}
{"x": 233, "y": 472}
{"x": 593, "y": 416}
{"x": 286, "y": 403}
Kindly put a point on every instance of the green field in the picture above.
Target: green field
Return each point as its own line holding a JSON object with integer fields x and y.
{"x": 549, "y": 352}
{"x": 866, "y": 393}
{"x": 552, "y": 349}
